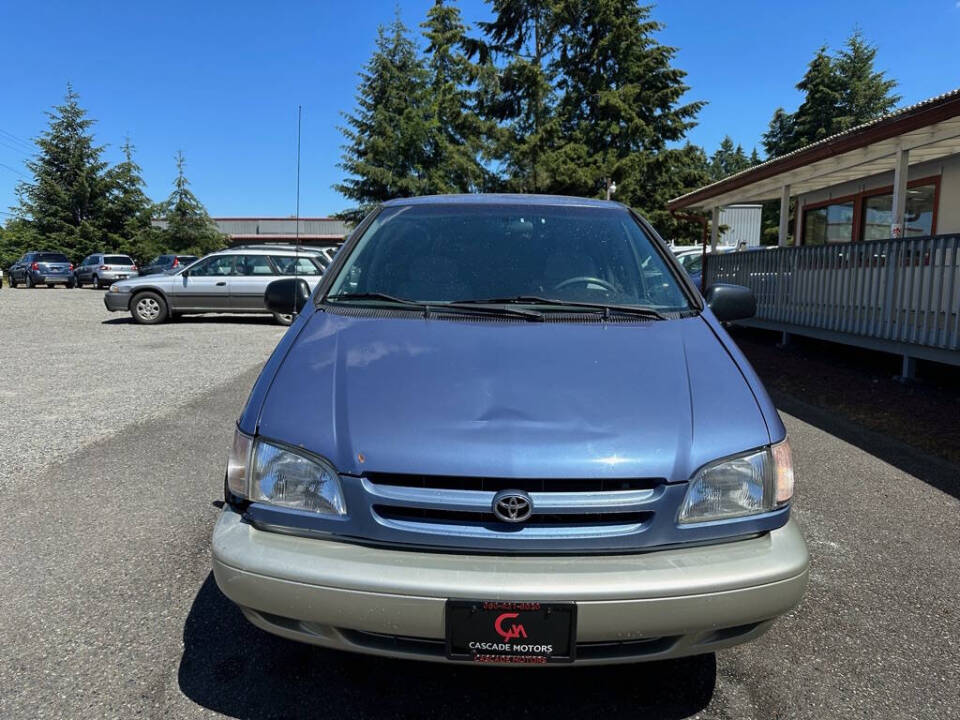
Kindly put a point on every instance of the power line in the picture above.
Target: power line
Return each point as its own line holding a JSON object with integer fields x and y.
{"x": 13, "y": 170}
{"x": 14, "y": 148}
{"x": 10, "y": 136}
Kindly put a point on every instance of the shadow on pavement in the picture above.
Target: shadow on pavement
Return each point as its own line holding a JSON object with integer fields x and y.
{"x": 231, "y": 667}
{"x": 203, "y": 319}
{"x": 941, "y": 474}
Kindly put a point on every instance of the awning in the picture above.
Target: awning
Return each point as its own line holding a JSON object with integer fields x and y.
{"x": 928, "y": 130}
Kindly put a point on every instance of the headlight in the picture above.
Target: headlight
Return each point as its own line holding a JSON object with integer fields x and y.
{"x": 752, "y": 483}
{"x": 264, "y": 472}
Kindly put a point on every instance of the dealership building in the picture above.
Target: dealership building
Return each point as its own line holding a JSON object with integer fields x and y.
{"x": 313, "y": 230}
{"x": 871, "y": 256}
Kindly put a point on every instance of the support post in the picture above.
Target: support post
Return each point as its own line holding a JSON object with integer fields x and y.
{"x": 714, "y": 228}
{"x": 899, "y": 193}
{"x": 908, "y": 370}
{"x": 798, "y": 224}
{"x": 784, "y": 216}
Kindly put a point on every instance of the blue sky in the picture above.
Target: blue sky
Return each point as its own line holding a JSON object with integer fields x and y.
{"x": 222, "y": 81}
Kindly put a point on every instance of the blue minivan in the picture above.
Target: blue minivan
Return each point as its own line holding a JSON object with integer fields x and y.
{"x": 508, "y": 429}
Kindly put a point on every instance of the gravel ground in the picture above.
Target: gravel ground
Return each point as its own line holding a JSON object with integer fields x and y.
{"x": 71, "y": 372}
{"x": 109, "y": 608}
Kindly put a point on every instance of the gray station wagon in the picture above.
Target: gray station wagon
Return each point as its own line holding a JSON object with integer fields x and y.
{"x": 102, "y": 269}
{"x": 229, "y": 281}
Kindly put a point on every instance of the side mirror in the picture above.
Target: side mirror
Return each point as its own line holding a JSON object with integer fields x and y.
{"x": 185, "y": 273}
{"x": 286, "y": 296}
{"x": 731, "y": 302}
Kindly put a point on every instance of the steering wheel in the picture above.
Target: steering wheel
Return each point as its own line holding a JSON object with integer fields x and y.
{"x": 586, "y": 280}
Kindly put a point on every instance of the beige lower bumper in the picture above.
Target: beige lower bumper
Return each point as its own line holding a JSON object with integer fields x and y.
{"x": 319, "y": 591}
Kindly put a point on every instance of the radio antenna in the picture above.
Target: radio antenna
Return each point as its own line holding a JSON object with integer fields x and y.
{"x": 296, "y": 262}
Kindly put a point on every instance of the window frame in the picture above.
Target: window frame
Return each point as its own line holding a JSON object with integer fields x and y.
{"x": 859, "y": 207}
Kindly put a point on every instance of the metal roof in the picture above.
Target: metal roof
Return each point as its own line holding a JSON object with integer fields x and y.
{"x": 929, "y": 129}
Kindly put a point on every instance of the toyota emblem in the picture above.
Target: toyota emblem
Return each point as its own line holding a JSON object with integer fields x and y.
{"x": 512, "y": 506}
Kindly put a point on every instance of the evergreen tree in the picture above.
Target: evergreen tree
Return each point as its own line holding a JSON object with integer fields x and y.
{"x": 754, "y": 158}
{"x": 65, "y": 202}
{"x": 620, "y": 106}
{"x": 839, "y": 93}
{"x": 189, "y": 228}
{"x": 821, "y": 86}
{"x": 385, "y": 155}
{"x": 778, "y": 139}
{"x": 523, "y": 37}
{"x": 728, "y": 160}
{"x": 455, "y": 137}
{"x": 865, "y": 93}
{"x": 127, "y": 210}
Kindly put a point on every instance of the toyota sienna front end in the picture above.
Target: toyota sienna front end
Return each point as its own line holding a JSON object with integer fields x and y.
{"x": 508, "y": 430}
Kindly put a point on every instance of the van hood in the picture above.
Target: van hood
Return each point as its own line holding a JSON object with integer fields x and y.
{"x": 512, "y": 399}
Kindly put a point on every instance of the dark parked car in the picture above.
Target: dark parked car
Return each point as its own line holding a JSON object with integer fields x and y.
{"x": 42, "y": 268}
{"x": 508, "y": 429}
{"x": 163, "y": 263}
{"x": 102, "y": 269}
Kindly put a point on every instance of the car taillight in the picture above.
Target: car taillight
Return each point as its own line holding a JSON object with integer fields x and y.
{"x": 133, "y": 267}
{"x": 71, "y": 267}
{"x": 176, "y": 262}
{"x": 35, "y": 266}
{"x": 104, "y": 267}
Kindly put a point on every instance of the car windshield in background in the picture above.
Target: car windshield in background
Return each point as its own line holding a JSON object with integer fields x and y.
{"x": 508, "y": 253}
{"x": 52, "y": 257}
{"x": 117, "y": 260}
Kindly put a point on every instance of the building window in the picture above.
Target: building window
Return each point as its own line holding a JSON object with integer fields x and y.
{"x": 917, "y": 218}
{"x": 828, "y": 224}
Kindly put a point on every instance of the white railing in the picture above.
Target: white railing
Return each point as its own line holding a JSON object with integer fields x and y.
{"x": 898, "y": 291}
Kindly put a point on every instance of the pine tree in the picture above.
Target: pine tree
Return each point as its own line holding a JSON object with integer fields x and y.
{"x": 189, "y": 228}
{"x": 822, "y": 89}
{"x": 127, "y": 210}
{"x": 523, "y": 39}
{"x": 865, "y": 93}
{"x": 64, "y": 204}
{"x": 778, "y": 139}
{"x": 754, "y": 158}
{"x": 456, "y": 132}
{"x": 620, "y": 106}
{"x": 385, "y": 155}
{"x": 728, "y": 160}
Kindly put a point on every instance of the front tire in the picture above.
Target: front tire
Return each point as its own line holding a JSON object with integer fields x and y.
{"x": 148, "y": 308}
{"x": 13, "y": 281}
{"x": 282, "y": 319}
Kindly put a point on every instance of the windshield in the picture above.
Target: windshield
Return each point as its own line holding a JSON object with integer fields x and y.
{"x": 455, "y": 253}
{"x": 117, "y": 260}
{"x": 52, "y": 257}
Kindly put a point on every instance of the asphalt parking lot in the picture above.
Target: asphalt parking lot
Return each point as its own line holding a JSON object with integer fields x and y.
{"x": 112, "y": 449}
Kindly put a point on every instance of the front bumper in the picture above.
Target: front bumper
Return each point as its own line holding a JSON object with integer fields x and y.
{"x": 116, "y": 301}
{"x": 648, "y": 606}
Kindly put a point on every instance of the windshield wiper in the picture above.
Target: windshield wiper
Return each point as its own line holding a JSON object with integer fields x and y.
{"x": 606, "y": 309}
{"x": 443, "y": 306}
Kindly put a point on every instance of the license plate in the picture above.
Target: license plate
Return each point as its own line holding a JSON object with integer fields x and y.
{"x": 122, "y": 277}
{"x": 486, "y": 631}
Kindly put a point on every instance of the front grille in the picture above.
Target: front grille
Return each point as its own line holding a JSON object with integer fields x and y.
{"x": 447, "y": 482}
{"x": 463, "y": 506}
{"x": 489, "y": 519}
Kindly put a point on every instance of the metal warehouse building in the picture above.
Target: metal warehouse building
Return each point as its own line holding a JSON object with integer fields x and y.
{"x": 313, "y": 230}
